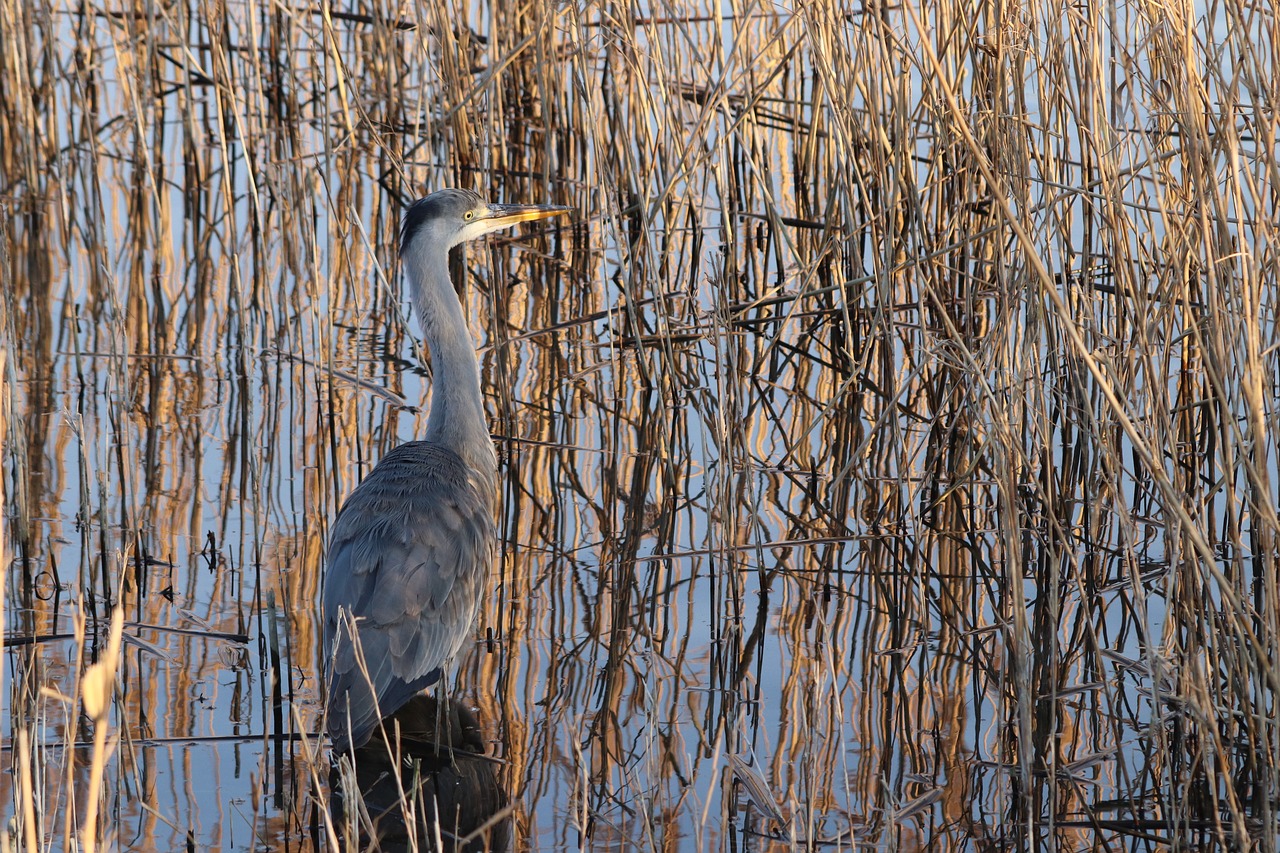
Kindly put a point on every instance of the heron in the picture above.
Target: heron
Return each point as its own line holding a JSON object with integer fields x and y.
{"x": 410, "y": 551}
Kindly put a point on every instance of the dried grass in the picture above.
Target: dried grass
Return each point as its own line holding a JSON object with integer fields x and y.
{"x": 890, "y": 441}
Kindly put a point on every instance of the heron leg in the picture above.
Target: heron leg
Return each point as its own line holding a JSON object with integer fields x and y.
{"x": 444, "y": 720}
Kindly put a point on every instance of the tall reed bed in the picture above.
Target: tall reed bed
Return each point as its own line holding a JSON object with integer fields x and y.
{"x": 889, "y": 442}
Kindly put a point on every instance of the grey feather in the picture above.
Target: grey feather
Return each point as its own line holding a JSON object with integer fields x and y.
{"x": 409, "y": 557}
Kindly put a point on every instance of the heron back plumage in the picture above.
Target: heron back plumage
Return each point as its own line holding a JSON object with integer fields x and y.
{"x": 409, "y": 556}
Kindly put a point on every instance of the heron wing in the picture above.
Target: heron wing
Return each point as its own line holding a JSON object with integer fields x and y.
{"x": 408, "y": 558}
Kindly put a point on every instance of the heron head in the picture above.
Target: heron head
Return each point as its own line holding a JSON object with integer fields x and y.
{"x": 452, "y": 216}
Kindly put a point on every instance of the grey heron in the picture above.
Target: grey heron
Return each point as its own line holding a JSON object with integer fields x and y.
{"x": 410, "y": 551}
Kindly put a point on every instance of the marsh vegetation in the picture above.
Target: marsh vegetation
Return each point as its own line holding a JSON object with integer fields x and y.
{"x": 888, "y": 441}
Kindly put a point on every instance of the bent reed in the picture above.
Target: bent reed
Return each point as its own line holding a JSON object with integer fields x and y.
{"x": 890, "y": 440}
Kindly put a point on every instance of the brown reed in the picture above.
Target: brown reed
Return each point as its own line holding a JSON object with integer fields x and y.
{"x": 889, "y": 442}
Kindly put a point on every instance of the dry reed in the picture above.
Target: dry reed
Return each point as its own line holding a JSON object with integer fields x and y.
{"x": 889, "y": 443}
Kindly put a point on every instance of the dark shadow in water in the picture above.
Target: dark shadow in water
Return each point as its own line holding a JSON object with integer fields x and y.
{"x": 457, "y": 792}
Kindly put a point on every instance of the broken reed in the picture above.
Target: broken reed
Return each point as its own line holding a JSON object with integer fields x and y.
{"x": 967, "y": 338}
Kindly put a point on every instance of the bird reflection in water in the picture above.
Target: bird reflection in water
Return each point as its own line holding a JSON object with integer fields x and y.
{"x": 450, "y": 786}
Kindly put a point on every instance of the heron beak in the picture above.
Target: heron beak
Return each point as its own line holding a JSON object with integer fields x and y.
{"x": 504, "y": 215}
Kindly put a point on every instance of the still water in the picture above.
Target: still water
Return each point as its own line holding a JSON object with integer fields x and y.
{"x": 811, "y": 539}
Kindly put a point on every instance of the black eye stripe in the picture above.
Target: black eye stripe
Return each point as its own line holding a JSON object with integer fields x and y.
{"x": 442, "y": 203}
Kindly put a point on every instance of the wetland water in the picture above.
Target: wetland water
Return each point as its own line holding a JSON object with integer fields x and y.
{"x": 838, "y": 511}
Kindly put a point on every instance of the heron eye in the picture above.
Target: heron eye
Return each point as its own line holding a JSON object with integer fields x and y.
{"x": 470, "y": 215}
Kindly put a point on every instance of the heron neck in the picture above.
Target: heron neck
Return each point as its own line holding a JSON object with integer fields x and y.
{"x": 457, "y": 419}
